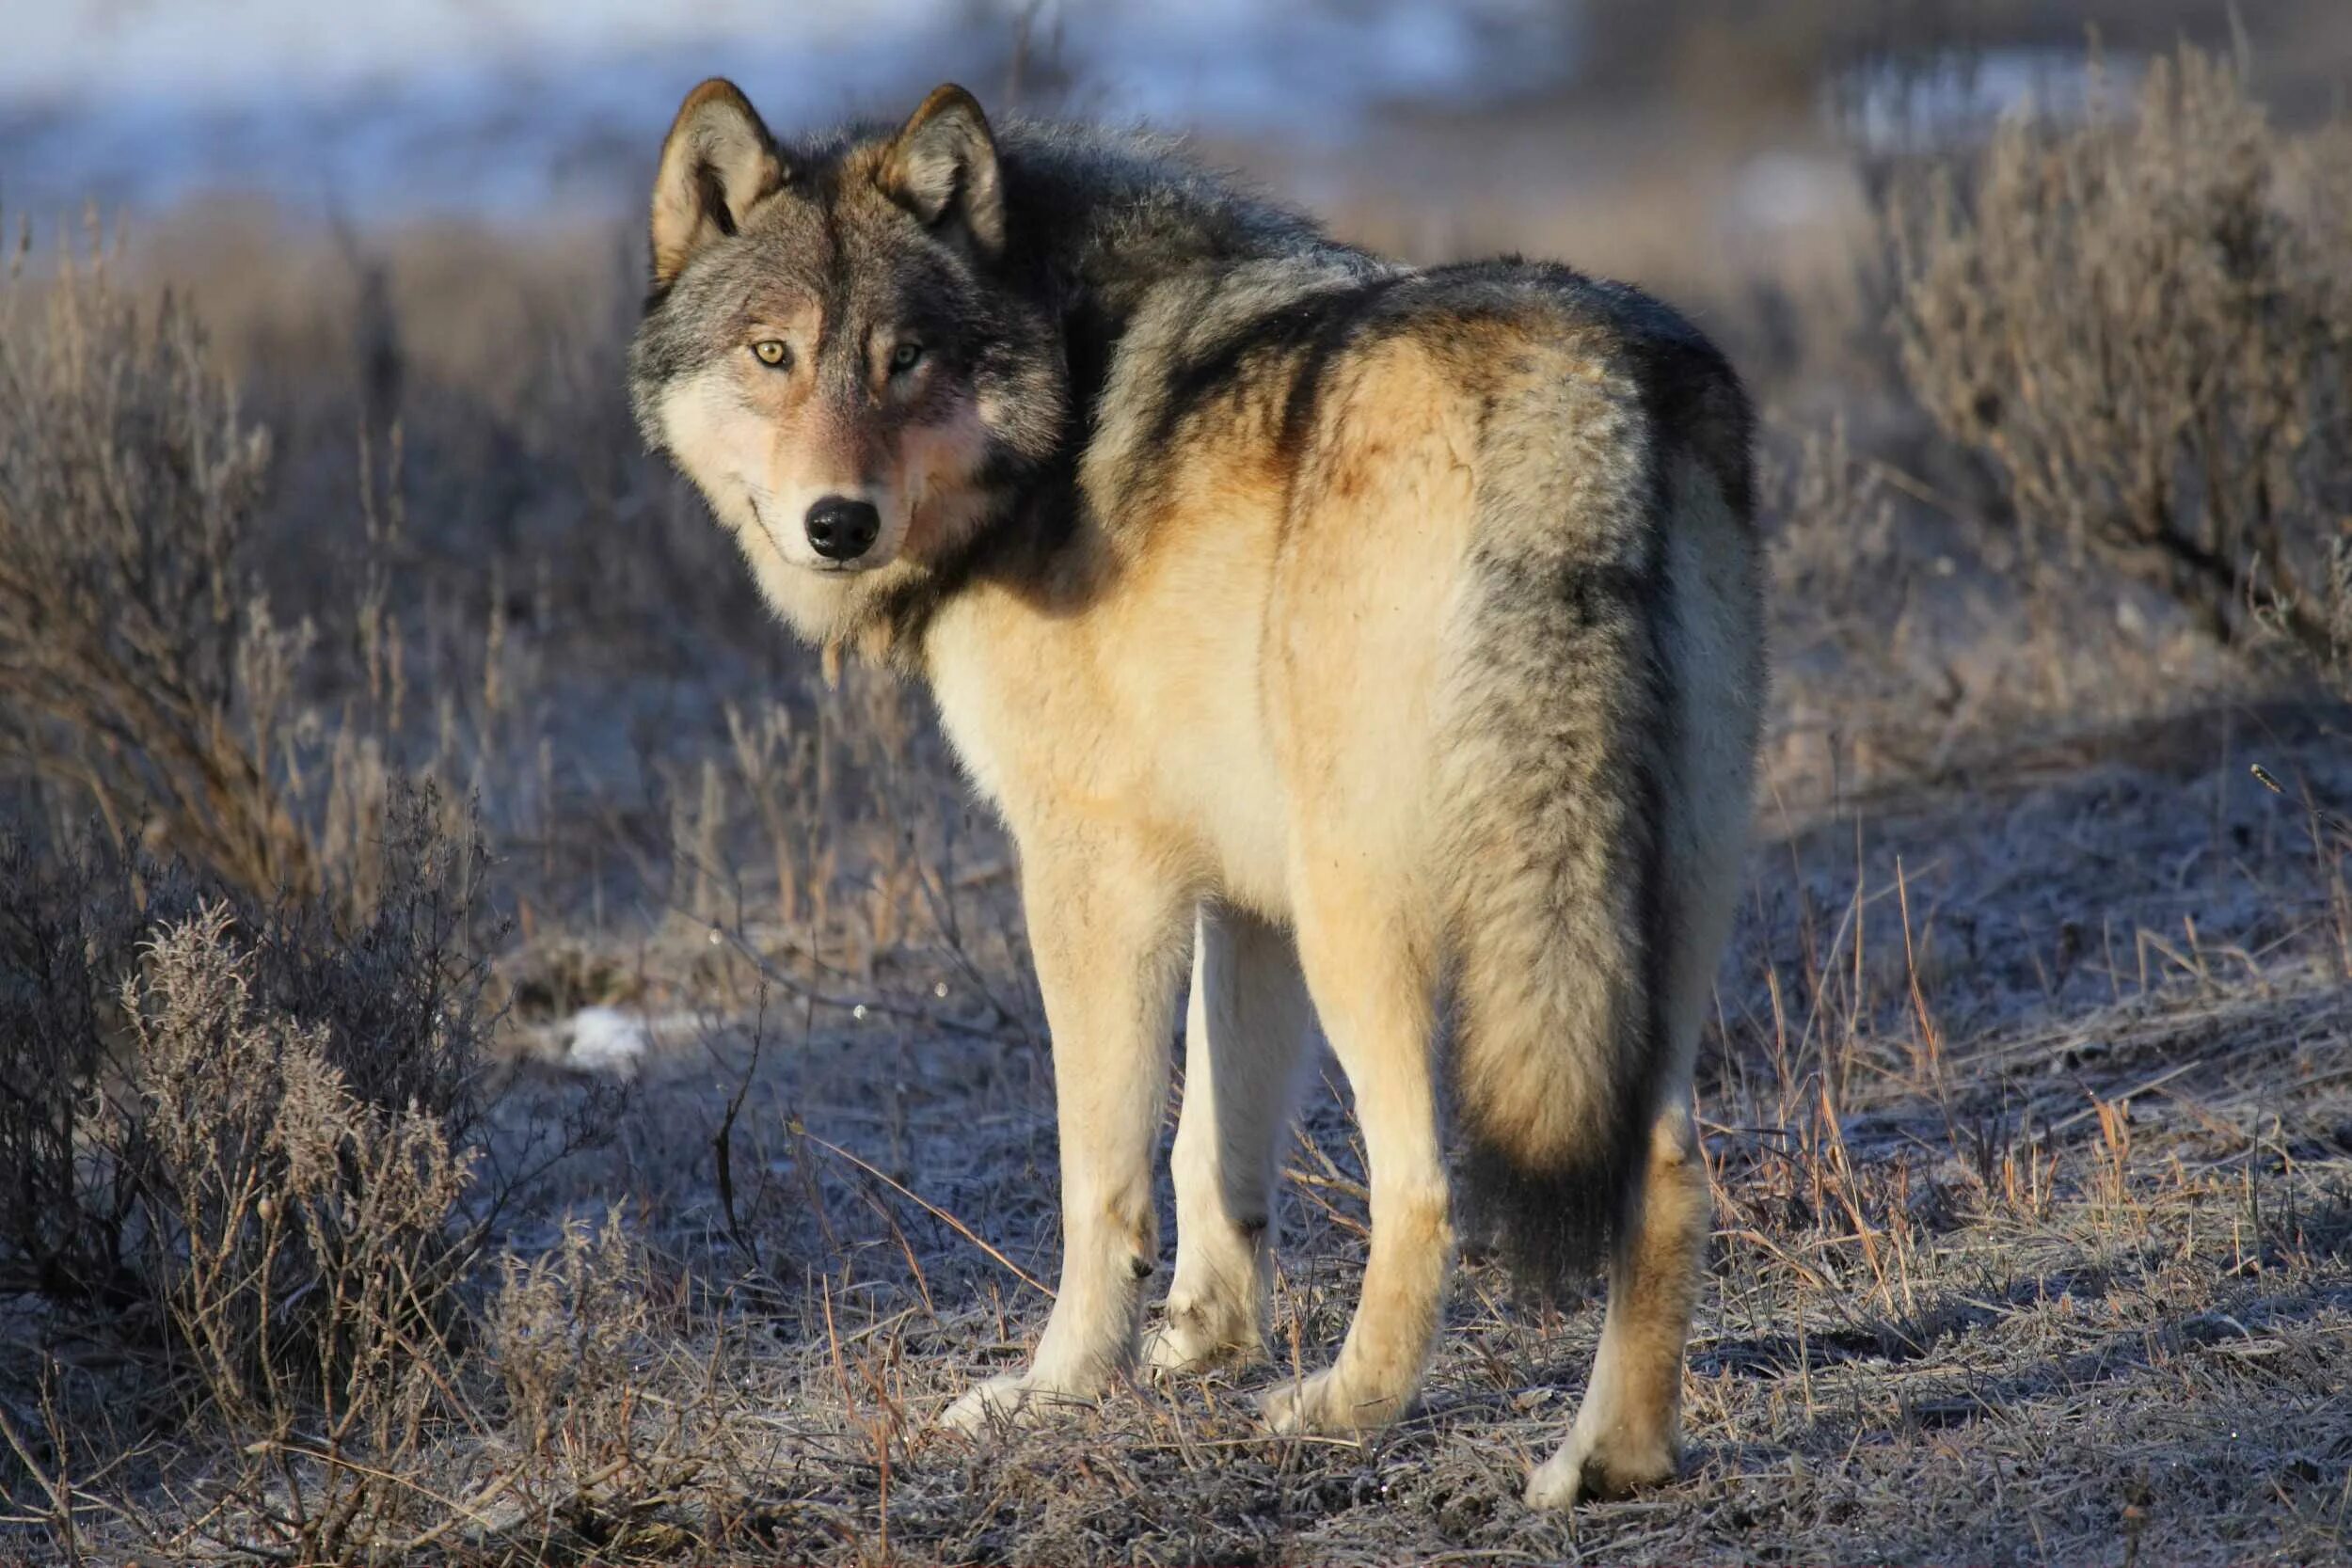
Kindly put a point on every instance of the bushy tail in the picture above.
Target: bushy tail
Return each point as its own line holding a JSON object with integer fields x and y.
{"x": 1562, "y": 729}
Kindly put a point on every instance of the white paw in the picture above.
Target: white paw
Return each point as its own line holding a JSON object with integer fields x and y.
{"x": 1176, "y": 1347}
{"x": 1558, "y": 1481}
{"x": 1324, "y": 1403}
{"x": 1590, "y": 1468}
{"x": 1014, "y": 1400}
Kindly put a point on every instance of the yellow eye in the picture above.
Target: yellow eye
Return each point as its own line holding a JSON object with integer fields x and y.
{"x": 771, "y": 351}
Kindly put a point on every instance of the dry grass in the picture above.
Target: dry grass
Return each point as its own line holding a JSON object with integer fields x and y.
{"x": 2029, "y": 1095}
{"x": 2025, "y": 1249}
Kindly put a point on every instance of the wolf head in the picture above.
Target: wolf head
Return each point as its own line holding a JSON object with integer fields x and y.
{"x": 834, "y": 349}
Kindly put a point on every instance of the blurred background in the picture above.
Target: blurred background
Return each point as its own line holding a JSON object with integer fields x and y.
{"x": 522, "y": 112}
{"x": 1722, "y": 153}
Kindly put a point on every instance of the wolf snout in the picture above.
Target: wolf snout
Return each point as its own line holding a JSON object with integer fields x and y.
{"x": 840, "y": 529}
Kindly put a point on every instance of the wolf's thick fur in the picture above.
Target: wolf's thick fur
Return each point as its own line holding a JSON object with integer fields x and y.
{"x": 1371, "y": 637}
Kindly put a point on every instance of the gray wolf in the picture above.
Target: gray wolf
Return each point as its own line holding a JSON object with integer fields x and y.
{"x": 1384, "y": 643}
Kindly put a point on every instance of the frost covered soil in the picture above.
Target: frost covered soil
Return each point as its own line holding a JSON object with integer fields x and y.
{"x": 2031, "y": 1228}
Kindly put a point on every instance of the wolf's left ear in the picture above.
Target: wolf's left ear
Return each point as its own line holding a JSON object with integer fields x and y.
{"x": 942, "y": 167}
{"x": 718, "y": 160}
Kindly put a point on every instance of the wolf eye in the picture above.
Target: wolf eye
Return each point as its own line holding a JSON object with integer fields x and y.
{"x": 904, "y": 358}
{"x": 771, "y": 351}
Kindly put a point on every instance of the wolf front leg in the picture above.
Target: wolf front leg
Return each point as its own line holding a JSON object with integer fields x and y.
{"x": 1108, "y": 933}
{"x": 1245, "y": 1041}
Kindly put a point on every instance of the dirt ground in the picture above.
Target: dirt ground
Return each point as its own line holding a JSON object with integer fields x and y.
{"x": 2030, "y": 1238}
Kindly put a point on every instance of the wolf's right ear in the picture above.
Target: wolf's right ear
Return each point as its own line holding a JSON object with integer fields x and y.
{"x": 718, "y": 160}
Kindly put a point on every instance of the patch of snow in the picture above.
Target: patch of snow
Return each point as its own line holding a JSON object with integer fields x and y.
{"x": 607, "y": 1041}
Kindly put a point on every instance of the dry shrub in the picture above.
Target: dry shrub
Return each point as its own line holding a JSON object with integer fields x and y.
{"x": 1835, "y": 569}
{"x": 562, "y": 1327}
{"x": 302, "y": 1248}
{"x": 624, "y": 1433}
{"x": 2144, "y": 323}
{"x": 93, "y": 1076}
{"x": 141, "y": 667}
{"x": 847, "y": 791}
{"x": 400, "y": 986}
{"x": 70, "y": 930}
{"x": 247, "y": 1138}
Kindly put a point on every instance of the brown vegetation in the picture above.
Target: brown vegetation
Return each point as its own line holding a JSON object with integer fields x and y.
{"x": 2145, "y": 325}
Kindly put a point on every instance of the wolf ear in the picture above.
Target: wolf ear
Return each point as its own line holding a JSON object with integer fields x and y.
{"x": 942, "y": 167}
{"x": 717, "y": 160}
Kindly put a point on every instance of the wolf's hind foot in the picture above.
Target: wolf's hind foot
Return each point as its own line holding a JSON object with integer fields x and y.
{"x": 1014, "y": 1400}
{"x": 1194, "y": 1339}
{"x": 1329, "y": 1405}
{"x": 1597, "y": 1465}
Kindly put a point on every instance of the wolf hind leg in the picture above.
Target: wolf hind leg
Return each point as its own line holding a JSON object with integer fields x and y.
{"x": 1245, "y": 1043}
{"x": 1627, "y": 1433}
{"x": 1368, "y": 962}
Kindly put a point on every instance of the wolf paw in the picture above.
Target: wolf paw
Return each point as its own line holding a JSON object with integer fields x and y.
{"x": 1192, "y": 1341}
{"x": 1592, "y": 1468}
{"x": 1015, "y": 1400}
{"x": 1329, "y": 1404}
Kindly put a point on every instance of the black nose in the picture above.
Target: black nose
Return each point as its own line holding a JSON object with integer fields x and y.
{"x": 841, "y": 528}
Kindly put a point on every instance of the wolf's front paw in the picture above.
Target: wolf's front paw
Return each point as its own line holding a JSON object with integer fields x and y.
{"x": 1329, "y": 1403}
{"x": 1597, "y": 1465}
{"x": 1015, "y": 1400}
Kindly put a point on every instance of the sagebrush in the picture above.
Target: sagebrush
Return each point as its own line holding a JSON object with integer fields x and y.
{"x": 2142, "y": 322}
